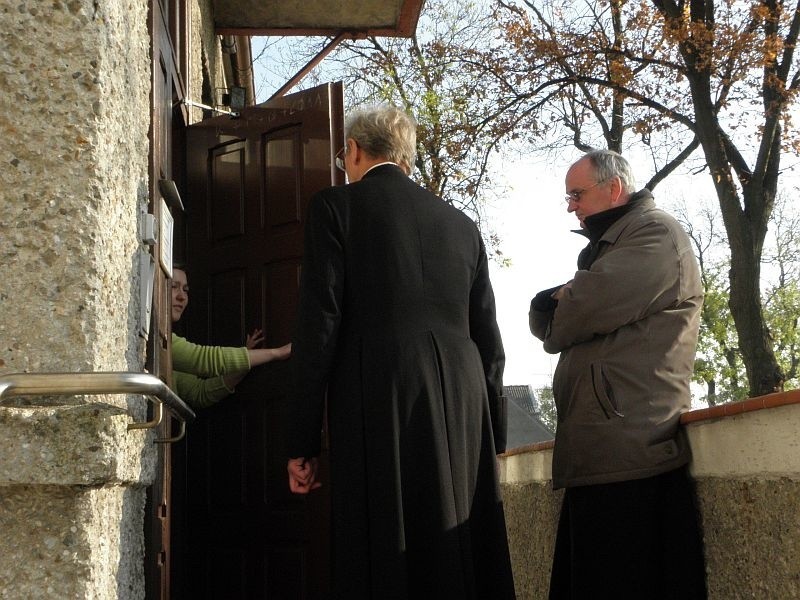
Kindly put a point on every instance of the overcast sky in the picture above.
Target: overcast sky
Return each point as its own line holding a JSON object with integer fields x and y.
{"x": 535, "y": 232}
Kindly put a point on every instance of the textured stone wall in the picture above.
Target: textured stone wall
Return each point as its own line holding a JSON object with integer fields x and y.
{"x": 66, "y": 542}
{"x": 532, "y": 511}
{"x": 747, "y": 470}
{"x": 747, "y": 473}
{"x": 72, "y": 502}
{"x": 751, "y": 531}
{"x": 207, "y": 57}
{"x": 74, "y": 116}
{"x": 74, "y": 120}
{"x": 85, "y": 445}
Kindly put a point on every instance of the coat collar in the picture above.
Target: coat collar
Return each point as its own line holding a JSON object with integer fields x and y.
{"x": 383, "y": 169}
{"x": 600, "y": 226}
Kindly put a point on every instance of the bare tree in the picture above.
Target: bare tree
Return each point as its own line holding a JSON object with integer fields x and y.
{"x": 669, "y": 77}
{"x": 718, "y": 365}
{"x": 439, "y": 76}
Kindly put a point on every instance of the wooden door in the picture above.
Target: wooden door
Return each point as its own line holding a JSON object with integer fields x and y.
{"x": 165, "y": 22}
{"x": 249, "y": 181}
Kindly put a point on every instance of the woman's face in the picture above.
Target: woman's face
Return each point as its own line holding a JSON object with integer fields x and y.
{"x": 180, "y": 293}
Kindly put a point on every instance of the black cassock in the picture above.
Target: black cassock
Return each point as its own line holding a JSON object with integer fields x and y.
{"x": 397, "y": 321}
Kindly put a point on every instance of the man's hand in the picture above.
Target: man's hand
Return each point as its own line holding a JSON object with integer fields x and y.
{"x": 302, "y": 475}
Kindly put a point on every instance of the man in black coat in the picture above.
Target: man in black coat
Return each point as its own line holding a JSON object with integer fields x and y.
{"x": 396, "y": 322}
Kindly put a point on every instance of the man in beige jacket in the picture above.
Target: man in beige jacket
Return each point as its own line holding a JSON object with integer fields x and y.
{"x": 626, "y": 329}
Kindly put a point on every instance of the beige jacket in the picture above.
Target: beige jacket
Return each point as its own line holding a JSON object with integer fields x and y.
{"x": 627, "y": 330}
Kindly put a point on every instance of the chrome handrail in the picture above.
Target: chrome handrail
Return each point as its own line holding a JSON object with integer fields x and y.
{"x": 113, "y": 382}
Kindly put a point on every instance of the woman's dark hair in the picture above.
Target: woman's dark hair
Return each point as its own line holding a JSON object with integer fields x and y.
{"x": 179, "y": 264}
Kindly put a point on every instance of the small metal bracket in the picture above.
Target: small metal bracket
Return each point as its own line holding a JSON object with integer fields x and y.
{"x": 158, "y": 416}
{"x": 177, "y": 438}
{"x": 170, "y": 192}
{"x": 223, "y": 111}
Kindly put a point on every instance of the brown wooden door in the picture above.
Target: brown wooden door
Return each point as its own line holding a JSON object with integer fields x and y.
{"x": 249, "y": 181}
{"x": 166, "y": 122}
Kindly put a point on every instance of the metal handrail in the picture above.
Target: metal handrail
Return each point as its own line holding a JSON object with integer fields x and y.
{"x": 113, "y": 382}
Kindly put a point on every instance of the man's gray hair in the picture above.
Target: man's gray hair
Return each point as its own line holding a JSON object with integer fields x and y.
{"x": 384, "y": 131}
{"x": 608, "y": 164}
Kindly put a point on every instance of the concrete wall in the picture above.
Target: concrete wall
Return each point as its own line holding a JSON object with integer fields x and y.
{"x": 532, "y": 509}
{"x": 74, "y": 117}
{"x": 746, "y": 465}
{"x": 209, "y": 69}
{"x": 747, "y": 469}
{"x": 72, "y": 502}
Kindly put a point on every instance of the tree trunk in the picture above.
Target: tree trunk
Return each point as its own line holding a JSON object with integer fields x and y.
{"x": 746, "y": 229}
{"x": 711, "y": 388}
{"x": 746, "y": 239}
{"x": 763, "y": 372}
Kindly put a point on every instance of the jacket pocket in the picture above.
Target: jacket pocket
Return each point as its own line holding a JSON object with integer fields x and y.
{"x": 603, "y": 392}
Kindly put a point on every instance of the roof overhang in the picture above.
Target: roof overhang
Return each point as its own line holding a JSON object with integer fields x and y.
{"x": 360, "y": 18}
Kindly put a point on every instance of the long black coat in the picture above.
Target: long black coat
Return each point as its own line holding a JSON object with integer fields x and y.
{"x": 397, "y": 319}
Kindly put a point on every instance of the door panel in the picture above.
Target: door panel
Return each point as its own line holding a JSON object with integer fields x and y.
{"x": 226, "y": 200}
{"x": 249, "y": 182}
{"x": 226, "y": 309}
{"x": 282, "y": 178}
{"x": 165, "y": 88}
{"x": 280, "y": 287}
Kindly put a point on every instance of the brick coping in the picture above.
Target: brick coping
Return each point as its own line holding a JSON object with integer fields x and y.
{"x": 537, "y": 447}
{"x": 701, "y": 414}
{"x": 736, "y": 408}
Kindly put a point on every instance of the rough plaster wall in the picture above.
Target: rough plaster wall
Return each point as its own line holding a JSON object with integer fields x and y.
{"x": 532, "y": 511}
{"x": 73, "y": 445}
{"x": 751, "y": 530}
{"x": 74, "y": 85}
{"x": 74, "y": 120}
{"x": 77, "y": 528}
{"x": 206, "y": 53}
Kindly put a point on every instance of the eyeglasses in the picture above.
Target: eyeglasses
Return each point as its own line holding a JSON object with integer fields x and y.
{"x": 575, "y": 195}
{"x": 339, "y": 160}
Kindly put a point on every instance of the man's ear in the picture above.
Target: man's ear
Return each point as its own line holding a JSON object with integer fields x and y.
{"x": 617, "y": 197}
{"x": 354, "y": 149}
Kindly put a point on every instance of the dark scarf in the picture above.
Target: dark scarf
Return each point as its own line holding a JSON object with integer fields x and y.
{"x": 598, "y": 223}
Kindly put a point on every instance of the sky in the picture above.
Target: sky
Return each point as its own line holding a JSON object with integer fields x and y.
{"x": 535, "y": 233}
{"x": 534, "y": 228}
